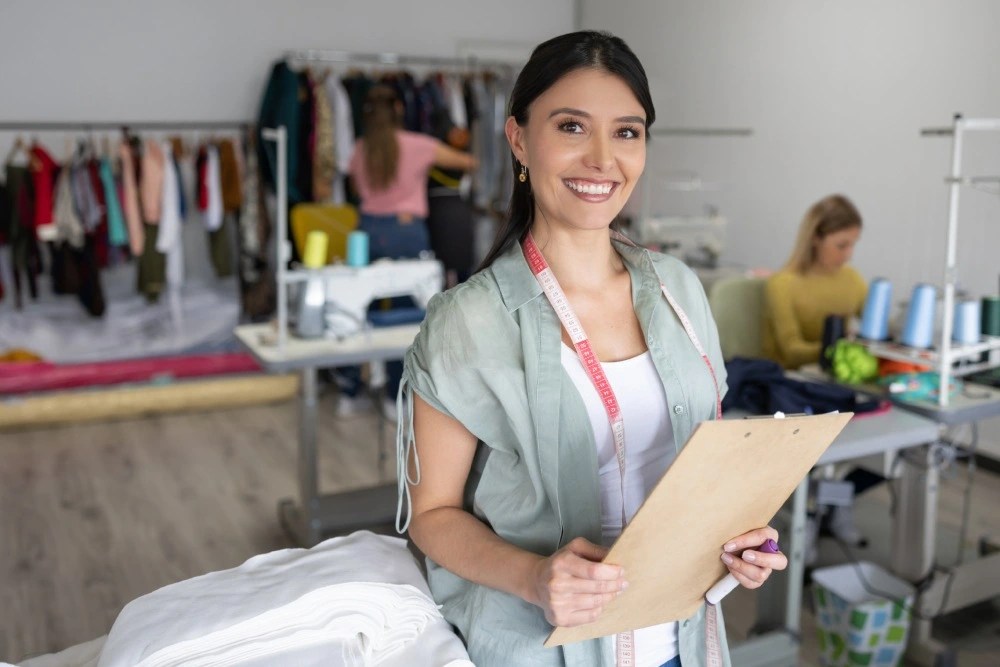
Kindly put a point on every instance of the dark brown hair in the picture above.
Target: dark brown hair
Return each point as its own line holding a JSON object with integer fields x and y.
{"x": 382, "y": 119}
{"x": 550, "y": 62}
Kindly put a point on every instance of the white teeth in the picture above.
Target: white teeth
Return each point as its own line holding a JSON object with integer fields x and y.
{"x": 589, "y": 188}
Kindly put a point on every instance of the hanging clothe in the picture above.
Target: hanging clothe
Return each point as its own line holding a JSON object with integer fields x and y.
{"x": 151, "y": 185}
{"x": 117, "y": 236}
{"x": 229, "y": 177}
{"x": 343, "y": 135}
{"x": 324, "y": 167}
{"x": 282, "y": 105}
{"x": 69, "y": 225}
{"x": 170, "y": 240}
{"x": 212, "y": 190}
{"x": 43, "y": 175}
{"x": 84, "y": 199}
{"x": 151, "y": 267}
{"x": 130, "y": 199}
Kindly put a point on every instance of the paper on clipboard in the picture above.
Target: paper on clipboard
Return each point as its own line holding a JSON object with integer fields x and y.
{"x": 731, "y": 477}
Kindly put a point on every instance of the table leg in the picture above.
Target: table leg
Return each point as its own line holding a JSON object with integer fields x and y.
{"x": 798, "y": 543}
{"x": 914, "y": 528}
{"x": 302, "y": 522}
{"x": 913, "y": 545}
{"x": 316, "y": 515}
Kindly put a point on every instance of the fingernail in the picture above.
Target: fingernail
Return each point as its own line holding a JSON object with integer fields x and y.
{"x": 624, "y": 585}
{"x": 749, "y": 556}
{"x": 727, "y": 559}
{"x": 730, "y": 547}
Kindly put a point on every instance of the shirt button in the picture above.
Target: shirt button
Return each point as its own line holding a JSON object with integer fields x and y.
{"x": 678, "y": 409}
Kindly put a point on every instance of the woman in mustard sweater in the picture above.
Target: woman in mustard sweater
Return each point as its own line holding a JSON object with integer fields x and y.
{"x": 814, "y": 283}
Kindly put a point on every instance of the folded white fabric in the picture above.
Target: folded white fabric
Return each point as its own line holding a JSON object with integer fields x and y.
{"x": 351, "y": 601}
{"x": 80, "y": 655}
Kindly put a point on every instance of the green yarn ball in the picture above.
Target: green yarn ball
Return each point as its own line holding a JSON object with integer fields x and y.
{"x": 852, "y": 363}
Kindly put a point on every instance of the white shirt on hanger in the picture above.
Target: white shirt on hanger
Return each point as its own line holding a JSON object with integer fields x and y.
{"x": 213, "y": 214}
{"x": 169, "y": 240}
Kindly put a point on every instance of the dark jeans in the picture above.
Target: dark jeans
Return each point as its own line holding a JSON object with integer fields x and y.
{"x": 674, "y": 662}
{"x": 387, "y": 237}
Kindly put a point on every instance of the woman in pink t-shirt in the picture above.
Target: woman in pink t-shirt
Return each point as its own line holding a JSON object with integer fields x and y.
{"x": 389, "y": 170}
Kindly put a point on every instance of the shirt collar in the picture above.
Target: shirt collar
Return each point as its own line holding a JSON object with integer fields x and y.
{"x": 518, "y": 285}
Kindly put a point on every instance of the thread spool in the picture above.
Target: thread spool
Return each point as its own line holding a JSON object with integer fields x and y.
{"x": 966, "y": 329}
{"x": 314, "y": 255}
{"x": 875, "y": 318}
{"x": 919, "y": 329}
{"x": 990, "y": 320}
{"x": 357, "y": 249}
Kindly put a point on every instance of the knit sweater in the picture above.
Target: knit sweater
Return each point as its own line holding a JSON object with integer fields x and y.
{"x": 796, "y": 306}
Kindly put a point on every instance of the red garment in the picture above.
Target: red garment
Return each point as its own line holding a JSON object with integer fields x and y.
{"x": 43, "y": 176}
{"x": 201, "y": 163}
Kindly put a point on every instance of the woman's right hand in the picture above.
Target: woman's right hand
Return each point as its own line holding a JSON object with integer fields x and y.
{"x": 572, "y": 586}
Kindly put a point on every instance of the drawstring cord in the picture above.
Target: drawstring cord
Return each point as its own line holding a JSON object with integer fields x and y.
{"x": 405, "y": 446}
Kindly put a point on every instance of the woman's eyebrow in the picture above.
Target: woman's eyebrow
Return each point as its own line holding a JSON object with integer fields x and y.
{"x": 584, "y": 114}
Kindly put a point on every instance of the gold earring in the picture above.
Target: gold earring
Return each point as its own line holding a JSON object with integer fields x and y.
{"x": 523, "y": 176}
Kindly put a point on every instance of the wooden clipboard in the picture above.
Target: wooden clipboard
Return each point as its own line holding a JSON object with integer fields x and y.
{"x": 732, "y": 476}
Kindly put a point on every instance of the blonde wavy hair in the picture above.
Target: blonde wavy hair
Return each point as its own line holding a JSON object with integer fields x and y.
{"x": 827, "y": 216}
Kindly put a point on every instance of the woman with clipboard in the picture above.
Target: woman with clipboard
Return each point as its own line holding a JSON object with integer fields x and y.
{"x": 552, "y": 389}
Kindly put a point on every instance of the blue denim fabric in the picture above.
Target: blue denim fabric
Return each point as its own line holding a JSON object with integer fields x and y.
{"x": 675, "y": 662}
{"x": 387, "y": 237}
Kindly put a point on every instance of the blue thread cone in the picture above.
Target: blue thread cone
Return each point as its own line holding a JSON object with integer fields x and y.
{"x": 919, "y": 330}
{"x": 875, "y": 318}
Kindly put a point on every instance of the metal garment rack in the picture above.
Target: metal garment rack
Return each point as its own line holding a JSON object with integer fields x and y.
{"x": 395, "y": 59}
{"x": 85, "y": 125}
{"x": 948, "y": 353}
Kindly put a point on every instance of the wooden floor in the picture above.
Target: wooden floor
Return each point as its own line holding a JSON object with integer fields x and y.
{"x": 92, "y": 516}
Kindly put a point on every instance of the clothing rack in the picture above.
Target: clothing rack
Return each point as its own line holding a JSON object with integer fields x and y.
{"x": 347, "y": 57}
{"x": 84, "y": 125}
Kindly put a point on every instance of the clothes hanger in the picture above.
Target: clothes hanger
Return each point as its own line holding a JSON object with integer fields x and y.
{"x": 19, "y": 147}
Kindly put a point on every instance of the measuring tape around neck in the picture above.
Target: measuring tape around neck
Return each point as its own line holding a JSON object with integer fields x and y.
{"x": 625, "y": 645}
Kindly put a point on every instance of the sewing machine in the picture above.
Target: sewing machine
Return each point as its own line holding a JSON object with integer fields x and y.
{"x": 341, "y": 294}
{"x": 696, "y": 240}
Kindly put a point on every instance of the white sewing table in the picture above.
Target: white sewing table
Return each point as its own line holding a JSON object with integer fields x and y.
{"x": 317, "y": 514}
{"x": 879, "y": 435}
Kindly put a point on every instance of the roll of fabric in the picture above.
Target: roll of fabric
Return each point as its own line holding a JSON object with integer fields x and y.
{"x": 875, "y": 318}
{"x": 919, "y": 330}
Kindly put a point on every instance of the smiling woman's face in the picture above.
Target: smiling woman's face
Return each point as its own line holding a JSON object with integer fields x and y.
{"x": 585, "y": 148}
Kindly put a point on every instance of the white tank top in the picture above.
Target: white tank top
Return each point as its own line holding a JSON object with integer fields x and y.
{"x": 649, "y": 451}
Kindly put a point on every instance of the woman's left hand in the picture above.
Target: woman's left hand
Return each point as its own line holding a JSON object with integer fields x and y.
{"x": 751, "y": 567}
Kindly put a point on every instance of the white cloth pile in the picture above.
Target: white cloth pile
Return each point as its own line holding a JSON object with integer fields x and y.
{"x": 351, "y": 601}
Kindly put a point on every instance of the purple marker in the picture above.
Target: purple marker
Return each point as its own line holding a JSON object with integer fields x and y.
{"x": 725, "y": 585}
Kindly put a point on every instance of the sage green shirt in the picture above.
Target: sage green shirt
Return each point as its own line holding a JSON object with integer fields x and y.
{"x": 488, "y": 355}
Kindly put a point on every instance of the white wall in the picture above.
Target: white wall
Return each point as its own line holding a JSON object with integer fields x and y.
{"x": 836, "y": 93}
{"x": 187, "y": 59}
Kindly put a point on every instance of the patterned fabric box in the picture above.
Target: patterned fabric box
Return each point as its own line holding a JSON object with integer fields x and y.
{"x": 862, "y": 615}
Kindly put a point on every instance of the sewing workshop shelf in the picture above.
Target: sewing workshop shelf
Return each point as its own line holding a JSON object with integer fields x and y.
{"x": 932, "y": 357}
